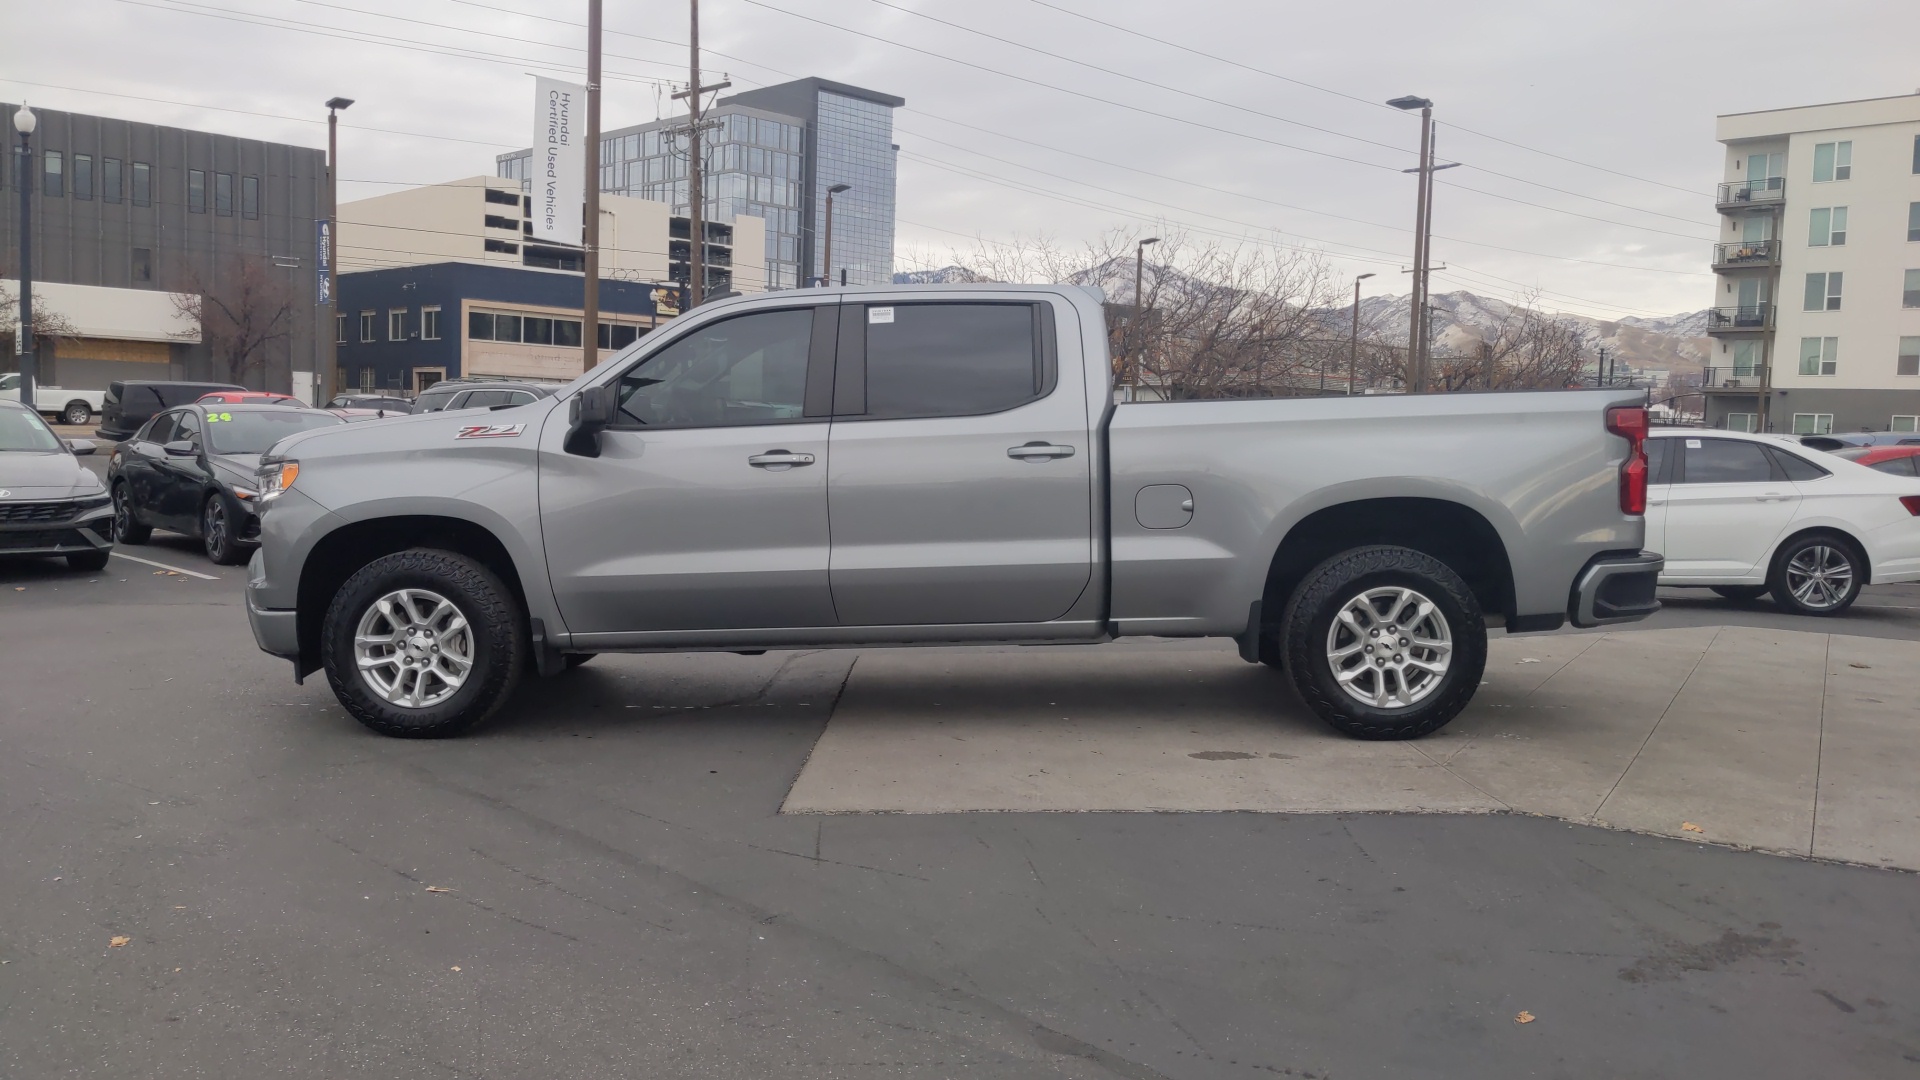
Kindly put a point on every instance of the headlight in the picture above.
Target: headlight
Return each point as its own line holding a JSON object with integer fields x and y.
{"x": 243, "y": 493}
{"x": 275, "y": 479}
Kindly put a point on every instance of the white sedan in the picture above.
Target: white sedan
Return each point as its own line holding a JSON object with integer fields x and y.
{"x": 1746, "y": 515}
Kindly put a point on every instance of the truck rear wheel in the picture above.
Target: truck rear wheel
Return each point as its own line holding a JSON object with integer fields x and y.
{"x": 1384, "y": 642}
{"x": 423, "y": 644}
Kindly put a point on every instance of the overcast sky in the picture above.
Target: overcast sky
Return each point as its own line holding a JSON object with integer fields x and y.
{"x": 1626, "y": 85}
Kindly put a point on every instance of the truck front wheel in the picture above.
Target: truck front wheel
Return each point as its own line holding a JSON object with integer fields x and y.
{"x": 423, "y": 644}
{"x": 1384, "y": 642}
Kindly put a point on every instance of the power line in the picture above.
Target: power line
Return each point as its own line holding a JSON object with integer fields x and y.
{"x": 471, "y": 30}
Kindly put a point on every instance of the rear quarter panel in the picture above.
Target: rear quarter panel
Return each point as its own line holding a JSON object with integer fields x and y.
{"x": 1539, "y": 467}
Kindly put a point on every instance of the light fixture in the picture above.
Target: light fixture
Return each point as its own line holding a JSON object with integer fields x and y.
{"x": 1411, "y": 102}
{"x": 24, "y": 121}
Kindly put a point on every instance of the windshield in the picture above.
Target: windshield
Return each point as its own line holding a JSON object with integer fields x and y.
{"x": 22, "y": 431}
{"x": 255, "y": 432}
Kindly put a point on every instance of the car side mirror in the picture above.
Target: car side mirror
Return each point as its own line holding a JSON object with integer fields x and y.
{"x": 589, "y": 413}
{"x": 80, "y": 447}
{"x": 182, "y": 448}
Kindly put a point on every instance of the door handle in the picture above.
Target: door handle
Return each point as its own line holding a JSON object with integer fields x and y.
{"x": 779, "y": 460}
{"x": 1034, "y": 451}
{"x": 1772, "y": 496}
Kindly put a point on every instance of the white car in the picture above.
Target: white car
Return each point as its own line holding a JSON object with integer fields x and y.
{"x": 1745, "y": 515}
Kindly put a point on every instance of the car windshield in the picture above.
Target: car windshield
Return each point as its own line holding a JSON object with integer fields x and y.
{"x": 22, "y": 431}
{"x": 255, "y": 432}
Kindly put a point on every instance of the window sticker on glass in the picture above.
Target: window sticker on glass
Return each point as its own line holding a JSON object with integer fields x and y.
{"x": 216, "y": 417}
{"x": 879, "y": 315}
{"x": 1693, "y": 444}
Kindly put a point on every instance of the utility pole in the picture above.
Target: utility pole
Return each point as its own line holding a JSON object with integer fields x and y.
{"x": 1419, "y": 356}
{"x": 1353, "y": 344}
{"x": 1139, "y": 313}
{"x": 590, "y": 243}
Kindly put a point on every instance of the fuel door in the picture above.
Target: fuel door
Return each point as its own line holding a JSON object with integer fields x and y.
{"x": 1163, "y": 506}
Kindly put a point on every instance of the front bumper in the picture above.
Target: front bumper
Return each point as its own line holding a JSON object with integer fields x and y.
{"x": 57, "y": 532}
{"x": 1616, "y": 589}
{"x": 276, "y": 632}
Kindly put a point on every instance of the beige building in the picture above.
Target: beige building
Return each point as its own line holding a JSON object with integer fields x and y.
{"x": 1816, "y": 312}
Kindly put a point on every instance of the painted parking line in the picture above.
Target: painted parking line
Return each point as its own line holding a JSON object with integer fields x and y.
{"x": 168, "y": 566}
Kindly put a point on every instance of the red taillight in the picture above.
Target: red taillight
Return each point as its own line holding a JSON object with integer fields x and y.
{"x": 1912, "y": 503}
{"x": 1630, "y": 423}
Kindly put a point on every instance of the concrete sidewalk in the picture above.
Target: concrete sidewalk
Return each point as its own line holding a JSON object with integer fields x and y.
{"x": 1777, "y": 740}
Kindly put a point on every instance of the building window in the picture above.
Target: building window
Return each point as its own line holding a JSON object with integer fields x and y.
{"x": 479, "y": 326}
{"x": 429, "y": 324}
{"x": 340, "y": 329}
{"x": 196, "y": 191}
{"x": 1819, "y": 355}
{"x": 223, "y": 194}
{"x": 504, "y": 198}
{"x": 1908, "y": 362}
{"x": 1916, "y": 155}
{"x": 1743, "y": 421}
{"x": 1905, "y": 423}
{"x": 142, "y": 184}
{"x": 1747, "y": 358}
{"x": 367, "y": 380}
{"x": 250, "y": 196}
{"x": 502, "y": 247}
{"x": 495, "y": 221}
{"x": 1812, "y": 423}
{"x": 1823, "y": 292}
{"x": 110, "y": 179}
{"x": 566, "y": 332}
{"x": 1913, "y": 222}
{"x": 83, "y": 176}
{"x": 536, "y": 331}
{"x": 142, "y": 264}
{"x": 1832, "y": 161}
{"x": 366, "y": 326}
{"x": 397, "y": 324}
{"x": 53, "y": 169}
{"x": 1829, "y": 227}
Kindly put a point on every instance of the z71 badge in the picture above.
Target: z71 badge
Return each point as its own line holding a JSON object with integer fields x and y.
{"x": 491, "y": 431}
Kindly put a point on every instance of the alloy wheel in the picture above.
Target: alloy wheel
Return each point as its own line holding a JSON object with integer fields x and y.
{"x": 1820, "y": 576}
{"x": 413, "y": 648}
{"x": 213, "y": 527}
{"x": 1389, "y": 647}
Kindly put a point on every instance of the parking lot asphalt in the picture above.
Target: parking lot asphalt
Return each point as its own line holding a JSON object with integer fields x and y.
{"x": 623, "y": 896}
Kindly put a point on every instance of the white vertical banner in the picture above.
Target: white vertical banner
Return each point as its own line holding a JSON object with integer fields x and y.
{"x": 559, "y": 166}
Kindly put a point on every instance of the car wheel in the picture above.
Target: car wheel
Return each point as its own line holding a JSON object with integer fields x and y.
{"x": 423, "y": 644}
{"x": 216, "y": 533}
{"x": 1745, "y": 594}
{"x": 1385, "y": 642}
{"x": 1817, "y": 575}
{"x": 126, "y": 527}
{"x": 575, "y": 659}
{"x": 88, "y": 561}
{"x": 77, "y": 413}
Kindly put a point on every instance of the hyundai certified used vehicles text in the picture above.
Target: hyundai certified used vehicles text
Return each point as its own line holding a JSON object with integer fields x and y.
{"x": 50, "y": 504}
{"x": 1748, "y": 515}
{"x": 192, "y": 470}
{"x": 935, "y": 466}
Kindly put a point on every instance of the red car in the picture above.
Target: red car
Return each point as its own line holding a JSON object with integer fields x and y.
{"x": 1898, "y": 460}
{"x": 248, "y": 397}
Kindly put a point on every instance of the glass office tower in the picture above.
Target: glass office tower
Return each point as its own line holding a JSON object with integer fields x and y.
{"x": 773, "y": 154}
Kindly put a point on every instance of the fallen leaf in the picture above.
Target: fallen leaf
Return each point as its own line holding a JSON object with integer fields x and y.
{"x": 176, "y": 971}
{"x": 19, "y": 588}
{"x": 1529, "y": 660}
{"x": 1862, "y": 667}
{"x": 118, "y": 942}
{"x": 436, "y": 888}
{"x": 1525, "y": 1017}
{"x": 456, "y": 967}
{"x": 179, "y": 907}
{"x": 1688, "y": 826}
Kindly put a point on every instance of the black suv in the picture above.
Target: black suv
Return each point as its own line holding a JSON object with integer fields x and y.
{"x": 128, "y": 405}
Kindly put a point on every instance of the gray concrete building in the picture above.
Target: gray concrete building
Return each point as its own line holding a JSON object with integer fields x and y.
{"x": 125, "y": 213}
{"x": 773, "y": 154}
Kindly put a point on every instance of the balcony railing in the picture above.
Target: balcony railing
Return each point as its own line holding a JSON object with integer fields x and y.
{"x": 1746, "y": 377}
{"x": 1747, "y": 319}
{"x": 1742, "y": 194}
{"x": 1744, "y": 253}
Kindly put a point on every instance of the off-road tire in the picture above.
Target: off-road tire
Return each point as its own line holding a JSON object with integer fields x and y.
{"x": 88, "y": 561}
{"x": 1744, "y": 594}
{"x": 1317, "y": 601}
{"x": 499, "y": 630}
{"x": 127, "y": 528}
{"x": 217, "y": 539}
{"x": 1783, "y": 593}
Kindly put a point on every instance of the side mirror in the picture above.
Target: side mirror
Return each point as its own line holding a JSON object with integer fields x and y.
{"x": 589, "y": 413}
{"x": 182, "y": 448}
{"x": 80, "y": 447}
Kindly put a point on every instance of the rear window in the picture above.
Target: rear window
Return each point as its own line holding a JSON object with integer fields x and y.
{"x": 952, "y": 359}
{"x": 431, "y": 401}
{"x": 1900, "y": 466}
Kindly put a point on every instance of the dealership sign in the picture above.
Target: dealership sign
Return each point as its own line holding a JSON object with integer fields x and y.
{"x": 559, "y": 166}
{"x": 323, "y": 261}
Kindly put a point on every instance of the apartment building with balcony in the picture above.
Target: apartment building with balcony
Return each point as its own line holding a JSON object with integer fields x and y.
{"x": 1816, "y": 312}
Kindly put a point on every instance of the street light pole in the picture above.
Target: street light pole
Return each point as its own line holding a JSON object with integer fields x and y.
{"x": 24, "y": 122}
{"x": 1422, "y": 242}
{"x": 826, "y": 261}
{"x": 1353, "y": 347}
{"x": 590, "y": 243}
{"x": 328, "y": 261}
{"x": 1139, "y": 313}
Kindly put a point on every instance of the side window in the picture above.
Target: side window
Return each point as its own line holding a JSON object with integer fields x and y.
{"x": 158, "y": 430}
{"x": 1726, "y": 461}
{"x": 1797, "y": 467}
{"x": 967, "y": 359}
{"x": 485, "y": 399}
{"x": 1658, "y": 454}
{"x": 1900, "y": 466}
{"x": 188, "y": 430}
{"x": 518, "y": 397}
{"x": 743, "y": 371}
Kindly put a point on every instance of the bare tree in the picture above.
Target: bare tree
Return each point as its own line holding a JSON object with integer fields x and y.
{"x": 243, "y": 311}
{"x": 48, "y": 323}
{"x": 1527, "y": 349}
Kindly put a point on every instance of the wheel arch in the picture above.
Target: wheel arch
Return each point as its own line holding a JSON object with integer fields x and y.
{"x": 1858, "y": 545}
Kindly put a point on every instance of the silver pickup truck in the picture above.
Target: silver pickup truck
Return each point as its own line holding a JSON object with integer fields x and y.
{"x": 938, "y": 466}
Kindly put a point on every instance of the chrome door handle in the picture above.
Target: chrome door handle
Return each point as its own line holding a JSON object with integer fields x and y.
{"x": 779, "y": 459}
{"x": 1772, "y": 496}
{"x": 1035, "y": 450}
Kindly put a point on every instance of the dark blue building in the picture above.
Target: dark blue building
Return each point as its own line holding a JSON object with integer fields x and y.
{"x": 401, "y": 330}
